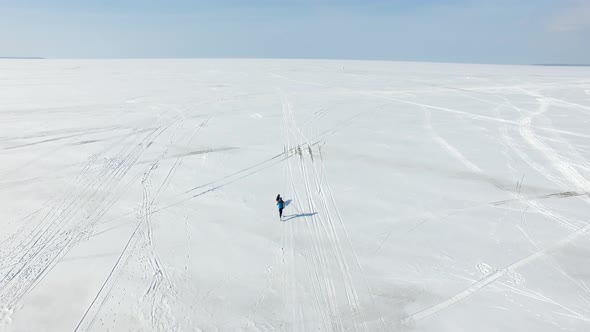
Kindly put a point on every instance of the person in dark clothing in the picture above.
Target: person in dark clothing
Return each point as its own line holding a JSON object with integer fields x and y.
{"x": 281, "y": 206}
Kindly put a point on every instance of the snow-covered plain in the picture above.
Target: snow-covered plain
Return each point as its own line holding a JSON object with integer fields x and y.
{"x": 138, "y": 195}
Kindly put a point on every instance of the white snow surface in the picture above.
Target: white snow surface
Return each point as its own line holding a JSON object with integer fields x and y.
{"x": 139, "y": 195}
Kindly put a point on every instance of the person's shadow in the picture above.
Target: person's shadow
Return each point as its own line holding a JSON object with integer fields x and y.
{"x": 299, "y": 215}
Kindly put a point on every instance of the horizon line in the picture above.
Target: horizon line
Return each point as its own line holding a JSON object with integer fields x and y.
{"x": 287, "y": 58}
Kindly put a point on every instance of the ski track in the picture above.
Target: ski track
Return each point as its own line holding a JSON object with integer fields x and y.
{"x": 560, "y": 164}
{"x": 316, "y": 286}
{"x": 58, "y": 232}
{"x": 154, "y": 298}
{"x": 567, "y": 171}
{"x": 324, "y": 230}
{"x": 62, "y": 226}
{"x": 524, "y": 125}
{"x": 491, "y": 278}
{"x": 333, "y": 273}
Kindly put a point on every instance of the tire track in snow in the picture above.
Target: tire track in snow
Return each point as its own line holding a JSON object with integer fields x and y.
{"x": 323, "y": 258}
{"x": 154, "y": 297}
{"x": 349, "y": 242}
{"x": 143, "y": 227}
{"x": 48, "y": 210}
{"x": 555, "y": 264}
{"x": 64, "y": 225}
{"x": 318, "y": 287}
{"x": 292, "y": 305}
{"x": 154, "y": 301}
{"x": 542, "y": 170}
{"x": 491, "y": 278}
{"x": 495, "y": 276}
{"x": 562, "y": 166}
{"x": 325, "y": 230}
{"x": 57, "y": 231}
{"x": 532, "y": 203}
{"x": 328, "y": 224}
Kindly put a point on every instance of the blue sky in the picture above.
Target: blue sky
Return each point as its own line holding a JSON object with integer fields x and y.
{"x": 484, "y": 31}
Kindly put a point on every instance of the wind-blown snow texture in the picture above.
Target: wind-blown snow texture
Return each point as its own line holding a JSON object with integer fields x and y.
{"x": 139, "y": 195}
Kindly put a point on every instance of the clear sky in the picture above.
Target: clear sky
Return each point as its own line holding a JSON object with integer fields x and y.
{"x": 477, "y": 31}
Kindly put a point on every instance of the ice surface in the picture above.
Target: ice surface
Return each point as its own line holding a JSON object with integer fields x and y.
{"x": 139, "y": 195}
